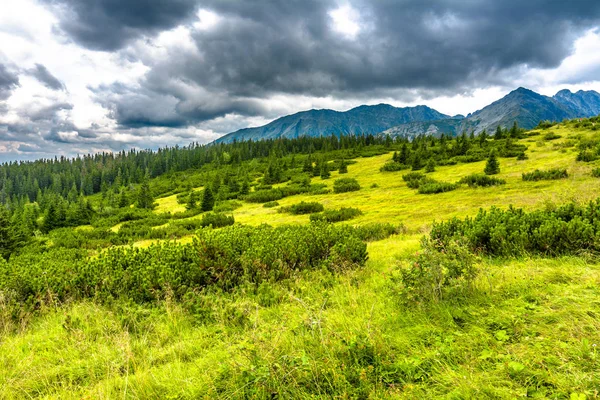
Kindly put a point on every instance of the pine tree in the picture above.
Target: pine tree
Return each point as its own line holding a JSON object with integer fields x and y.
{"x": 430, "y": 167}
{"x": 492, "y": 167}
{"x": 325, "y": 174}
{"x": 208, "y": 201}
{"x": 123, "y": 199}
{"x": 343, "y": 167}
{"x": 499, "y": 134}
{"x": 514, "y": 131}
{"x": 404, "y": 154}
{"x": 52, "y": 218}
{"x": 6, "y": 237}
{"x": 144, "y": 196}
{"x": 417, "y": 162}
{"x": 483, "y": 136}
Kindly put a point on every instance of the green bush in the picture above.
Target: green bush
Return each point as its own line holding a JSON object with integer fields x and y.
{"x": 378, "y": 231}
{"x": 435, "y": 270}
{"x": 343, "y": 185}
{"x": 481, "y": 180}
{"x": 264, "y": 196}
{"x": 271, "y": 204}
{"x": 217, "y": 220}
{"x": 433, "y": 187}
{"x": 587, "y": 156}
{"x": 222, "y": 258}
{"x": 343, "y": 214}
{"x": 551, "y": 136}
{"x": 392, "y": 166}
{"x": 226, "y": 206}
{"x": 303, "y": 208}
{"x": 568, "y": 229}
{"x": 551, "y": 174}
{"x": 596, "y": 172}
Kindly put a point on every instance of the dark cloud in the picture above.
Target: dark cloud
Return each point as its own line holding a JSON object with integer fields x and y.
{"x": 414, "y": 48}
{"x": 110, "y": 24}
{"x": 8, "y": 82}
{"x": 42, "y": 74}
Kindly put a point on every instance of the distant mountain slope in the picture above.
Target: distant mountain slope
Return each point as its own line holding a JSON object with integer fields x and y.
{"x": 525, "y": 106}
{"x": 522, "y": 105}
{"x": 359, "y": 120}
{"x": 584, "y": 103}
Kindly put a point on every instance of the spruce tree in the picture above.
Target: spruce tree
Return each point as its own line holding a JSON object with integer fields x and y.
{"x": 492, "y": 167}
{"x": 144, "y": 197}
{"x": 417, "y": 163}
{"x": 343, "y": 167}
{"x": 6, "y": 237}
{"x": 325, "y": 174}
{"x": 499, "y": 134}
{"x": 430, "y": 167}
{"x": 208, "y": 201}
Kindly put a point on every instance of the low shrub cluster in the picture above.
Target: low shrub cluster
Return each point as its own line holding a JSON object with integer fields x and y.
{"x": 392, "y": 166}
{"x": 378, "y": 231}
{"x": 270, "y": 204}
{"x": 551, "y": 174}
{"x": 568, "y": 229}
{"x": 596, "y": 172}
{"x": 303, "y": 208}
{"x": 343, "y": 185}
{"x": 433, "y": 187}
{"x": 216, "y": 220}
{"x": 221, "y": 258}
{"x": 343, "y": 214}
{"x": 481, "y": 180}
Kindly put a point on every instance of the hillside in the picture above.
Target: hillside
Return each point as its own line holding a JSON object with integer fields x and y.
{"x": 175, "y": 302}
{"x": 357, "y": 121}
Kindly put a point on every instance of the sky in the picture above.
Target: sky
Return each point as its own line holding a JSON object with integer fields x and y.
{"x": 86, "y": 76}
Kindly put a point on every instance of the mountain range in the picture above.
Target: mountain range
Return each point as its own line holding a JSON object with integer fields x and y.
{"x": 522, "y": 105}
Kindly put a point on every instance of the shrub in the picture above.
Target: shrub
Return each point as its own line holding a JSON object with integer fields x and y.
{"x": 480, "y": 180}
{"x": 551, "y": 174}
{"x": 568, "y": 229}
{"x": 437, "y": 269}
{"x": 343, "y": 214}
{"x": 227, "y": 206}
{"x": 522, "y": 156}
{"x": 303, "y": 208}
{"x": 378, "y": 231}
{"x": 596, "y": 172}
{"x": 551, "y": 136}
{"x": 587, "y": 156}
{"x": 222, "y": 258}
{"x": 343, "y": 185}
{"x": 392, "y": 166}
{"x": 270, "y": 204}
{"x": 436, "y": 187}
{"x": 492, "y": 166}
{"x": 264, "y": 196}
{"x": 217, "y": 220}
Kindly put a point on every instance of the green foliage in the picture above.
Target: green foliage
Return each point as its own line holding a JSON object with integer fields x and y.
{"x": 144, "y": 198}
{"x": 551, "y": 174}
{"x": 226, "y": 206}
{"x": 216, "y": 220}
{"x": 569, "y": 229}
{"x": 393, "y": 167}
{"x": 343, "y": 214}
{"x": 208, "y": 200}
{"x": 264, "y": 196}
{"x": 378, "y": 231}
{"x": 551, "y": 136}
{"x": 433, "y": 187}
{"x": 437, "y": 269}
{"x": 430, "y": 167}
{"x": 222, "y": 258}
{"x": 480, "y": 180}
{"x": 587, "y": 156}
{"x": 303, "y": 208}
{"x": 343, "y": 169}
{"x": 343, "y": 185}
{"x": 492, "y": 166}
{"x": 596, "y": 173}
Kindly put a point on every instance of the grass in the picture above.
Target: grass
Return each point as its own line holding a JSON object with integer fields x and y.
{"x": 528, "y": 328}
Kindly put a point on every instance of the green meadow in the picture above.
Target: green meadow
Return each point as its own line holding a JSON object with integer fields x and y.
{"x": 526, "y": 326}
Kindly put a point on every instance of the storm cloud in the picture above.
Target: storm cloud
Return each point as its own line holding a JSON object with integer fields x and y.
{"x": 8, "y": 82}
{"x": 42, "y": 74}
{"x": 261, "y": 49}
{"x": 154, "y": 72}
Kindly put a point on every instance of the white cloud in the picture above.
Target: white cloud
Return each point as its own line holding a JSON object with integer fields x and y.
{"x": 346, "y": 21}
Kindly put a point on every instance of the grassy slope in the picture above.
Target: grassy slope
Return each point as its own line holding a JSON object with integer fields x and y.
{"x": 529, "y": 327}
